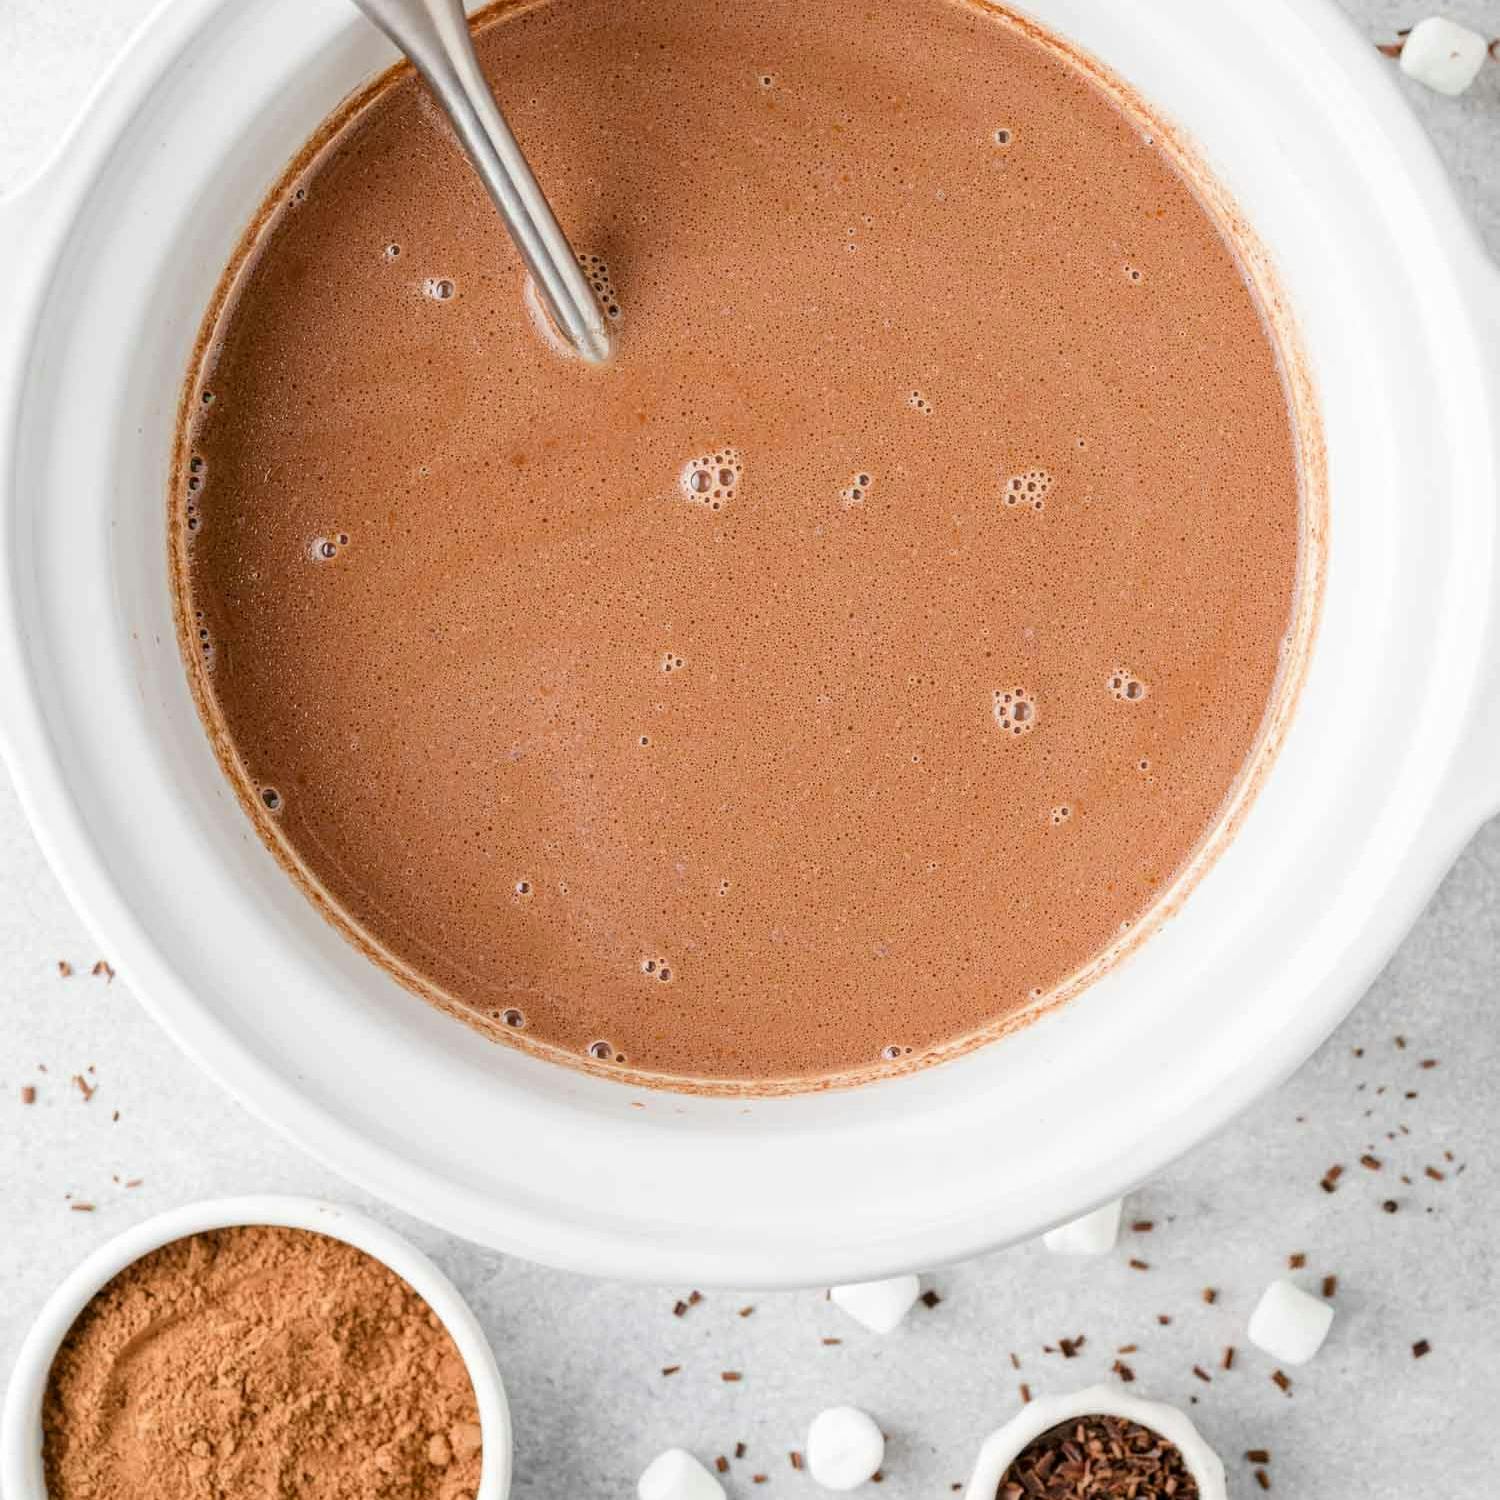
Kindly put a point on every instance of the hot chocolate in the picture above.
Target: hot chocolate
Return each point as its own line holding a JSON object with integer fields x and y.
{"x": 850, "y": 663}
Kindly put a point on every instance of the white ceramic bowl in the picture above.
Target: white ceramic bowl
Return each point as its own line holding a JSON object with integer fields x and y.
{"x": 1003, "y": 1447}
{"x": 106, "y": 263}
{"x": 21, "y": 1474}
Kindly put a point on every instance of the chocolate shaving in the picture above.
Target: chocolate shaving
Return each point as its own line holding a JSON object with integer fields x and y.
{"x": 103, "y": 968}
{"x": 87, "y": 1089}
{"x": 1070, "y": 1347}
{"x": 1098, "y": 1457}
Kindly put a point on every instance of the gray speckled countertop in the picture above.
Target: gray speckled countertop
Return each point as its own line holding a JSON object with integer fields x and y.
{"x": 582, "y": 1358}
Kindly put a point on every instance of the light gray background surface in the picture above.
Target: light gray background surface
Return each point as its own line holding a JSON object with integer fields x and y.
{"x": 582, "y": 1359}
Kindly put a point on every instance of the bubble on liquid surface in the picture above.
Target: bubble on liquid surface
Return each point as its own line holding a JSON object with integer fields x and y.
{"x": 894, "y": 1052}
{"x": 712, "y": 479}
{"x": 1134, "y": 274}
{"x": 603, "y": 288}
{"x": 1125, "y": 686}
{"x": 856, "y": 491}
{"x": 271, "y": 798}
{"x": 1061, "y": 813}
{"x": 658, "y": 969}
{"x": 323, "y": 549}
{"x": 1027, "y": 490}
{"x": 671, "y": 662}
{"x": 513, "y": 1018}
{"x": 1003, "y": 135}
{"x": 523, "y": 889}
{"x": 392, "y": 251}
{"x": 601, "y": 1051}
{"x": 1015, "y": 711}
{"x": 918, "y": 402}
{"x": 439, "y": 288}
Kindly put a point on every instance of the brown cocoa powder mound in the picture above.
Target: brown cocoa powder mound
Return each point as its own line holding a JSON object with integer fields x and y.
{"x": 259, "y": 1362}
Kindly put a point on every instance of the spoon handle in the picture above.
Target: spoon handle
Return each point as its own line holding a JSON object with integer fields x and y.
{"x": 434, "y": 34}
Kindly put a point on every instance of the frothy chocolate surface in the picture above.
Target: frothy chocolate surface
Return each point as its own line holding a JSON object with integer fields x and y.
{"x": 845, "y": 666}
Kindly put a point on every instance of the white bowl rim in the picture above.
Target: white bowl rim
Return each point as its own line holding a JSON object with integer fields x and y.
{"x": 1005, "y": 1445}
{"x": 20, "y": 1422}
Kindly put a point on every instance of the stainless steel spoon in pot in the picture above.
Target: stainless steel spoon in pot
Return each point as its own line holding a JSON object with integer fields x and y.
{"x": 434, "y": 34}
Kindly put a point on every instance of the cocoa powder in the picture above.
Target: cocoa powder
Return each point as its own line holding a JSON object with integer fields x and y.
{"x": 259, "y": 1362}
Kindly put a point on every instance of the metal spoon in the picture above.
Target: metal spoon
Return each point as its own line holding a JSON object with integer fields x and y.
{"x": 434, "y": 34}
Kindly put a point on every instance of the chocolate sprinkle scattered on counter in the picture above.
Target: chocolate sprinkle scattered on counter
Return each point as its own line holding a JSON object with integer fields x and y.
{"x": 757, "y": 1479}
{"x": 1127, "y": 1348}
{"x": 1137, "y": 1265}
{"x": 1210, "y": 1295}
{"x": 1258, "y": 1455}
{"x": 830, "y": 1342}
{"x": 746, "y": 1311}
{"x": 81, "y": 1208}
{"x": 1296, "y": 1260}
{"x": 1429, "y": 1062}
{"x": 730, "y": 1376}
{"x": 739, "y": 1450}
{"x": 694, "y": 1298}
{"x": 1070, "y": 1347}
{"x": 28, "y": 1094}
{"x": 1025, "y": 1394}
{"x": 1390, "y": 1205}
{"x": 1263, "y": 1479}
{"x": 1228, "y": 1361}
{"x": 1420, "y": 1348}
{"x": 1098, "y": 1458}
{"x": 678, "y": 1309}
{"x": 1331, "y": 1177}
{"x": 64, "y": 969}
{"x": 1123, "y": 1370}
{"x": 1143, "y": 1226}
{"x": 1203, "y": 1375}
{"x": 1369, "y": 1162}
{"x": 721, "y": 1464}
{"x": 1435, "y": 1174}
{"x": 930, "y": 1299}
{"x": 795, "y": 1459}
{"x": 1165, "y": 1319}
{"x": 103, "y": 968}
{"x": 1282, "y": 1381}
{"x": 670, "y": 1369}
{"x": 1330, "y": 1286}
{"x": 87, "y": 1089}
{"x": 1015, "y": 1360}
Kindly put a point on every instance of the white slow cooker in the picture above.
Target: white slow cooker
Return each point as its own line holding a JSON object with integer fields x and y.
{"x": 109, "y": 258}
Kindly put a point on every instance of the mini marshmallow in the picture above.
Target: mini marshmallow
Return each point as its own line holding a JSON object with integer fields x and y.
{"x": 844, "y": 1448}
{"x": 677, "y": 1475}
{"x": 1093, "y": 1234}
{"x": 1290, "y": 1324}
{"x": 879, "y": 1305}
{"x": 1443, "y": 55}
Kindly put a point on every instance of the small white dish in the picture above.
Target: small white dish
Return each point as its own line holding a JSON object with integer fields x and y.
{"x": 1002, "y": 1448}
{"x": 21, "y": 1473}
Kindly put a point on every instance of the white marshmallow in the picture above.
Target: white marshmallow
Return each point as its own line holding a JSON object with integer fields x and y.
{"x": 1093, "y": 1234}
{"x": 1443, "y": 55}
{"x": 879, "y": 1305}
{"x": 844, "y": 1448}
{"x": 1290, "y": 1324}
{"x": 677, "y": 1475}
